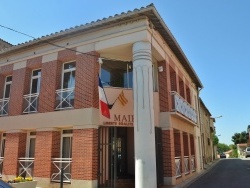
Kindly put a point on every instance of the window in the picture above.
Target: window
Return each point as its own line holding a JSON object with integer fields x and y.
{"x": 117, "y": 74}
{"x": 7, "y": 86}
{"x": 4, "y": 103}
{"x": 35, "y": 81}
{"x": 30, "y": 147}
{"x": 31, "y": 100}
{"x": 2, "y": 152}
{"x": 66, "y": 95}
{"x": 66, "y": 144}
{"x": 3, "y": 144}
{"x": 68, "y": 80}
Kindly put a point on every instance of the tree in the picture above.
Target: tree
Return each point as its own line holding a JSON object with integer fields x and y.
{"x": 215, "y": 140}
{"x": 239, "y": 138}
{"x": 222, "y": 147}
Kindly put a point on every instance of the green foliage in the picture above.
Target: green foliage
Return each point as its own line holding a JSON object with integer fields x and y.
{"x": 234, "y": 153}
{"x": 215, "y": 140}
{"x": 239, "y": 138}
{"x": 222, "y": 147}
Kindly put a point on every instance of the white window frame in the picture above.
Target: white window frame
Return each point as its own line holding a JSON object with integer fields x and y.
{"x": 7, "y": 83}
{"x": 35, "y": 77}
{"x": 65, "y": 135}
{"x": 29, "y": 137}
{"x": 65, "y": 71}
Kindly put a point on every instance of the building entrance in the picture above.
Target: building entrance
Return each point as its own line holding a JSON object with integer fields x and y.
{"x": 116, "y": 157}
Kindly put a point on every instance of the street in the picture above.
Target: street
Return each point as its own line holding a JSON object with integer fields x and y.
{"x": 227, "y": 173}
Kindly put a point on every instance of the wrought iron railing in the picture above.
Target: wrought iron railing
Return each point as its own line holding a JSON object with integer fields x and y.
{"x": 192, "y": 163}
{"x": 62, "y": 169}
{"x": 177, "y": 167}
{"x": 26, "y": 166}
{"x": 186, "y": 164}
{"x": 180, "y": 105}
{"x": 4, "y": 106}
{"x": 30, "y": 103}
{"x": 65, "y": 98}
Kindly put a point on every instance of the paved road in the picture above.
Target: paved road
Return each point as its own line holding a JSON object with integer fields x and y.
{"x": 227, "y": 173}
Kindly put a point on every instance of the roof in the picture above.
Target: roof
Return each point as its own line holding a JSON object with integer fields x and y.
{"x": 149, "y": 11}
{"x": 4, "y": 44}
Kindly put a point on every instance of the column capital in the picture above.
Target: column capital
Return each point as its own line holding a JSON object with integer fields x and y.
{"x": 142, "y": 51}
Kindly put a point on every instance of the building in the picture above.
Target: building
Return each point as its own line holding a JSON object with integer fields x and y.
{"x": 51, "y": 118}
{"x": 207, "y": 132}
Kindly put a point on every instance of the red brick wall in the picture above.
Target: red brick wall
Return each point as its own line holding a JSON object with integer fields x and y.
{"x": 168, "y": 153}
{"x": 164, "y": 87}
{"x": 67, "y": 55}
{"x": 15, "y": 147}
{"x": 85, "y": 154}
{"x": 20, "y": 82}
{"x": 47, "y": 147}
{"x": 47, "y": 96}
{"x": 86, "y": 86}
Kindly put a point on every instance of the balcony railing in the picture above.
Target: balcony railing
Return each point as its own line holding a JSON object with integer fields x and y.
{"x": 26, "y": 167}
{"x": 30, "y": 103}
{"x": 186, "y": 164}
{"x": 177, "y": 167}
{"x": 193, "y": 163}
{"x": 62, "y": 165}
{"x": 4, "y": 106}
{"x": 65, "y": 98}
{"x": 1, "y": 166}
{"x": 180, "y": 105}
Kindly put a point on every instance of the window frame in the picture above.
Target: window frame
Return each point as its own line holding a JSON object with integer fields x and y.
{"x": 35, "y": 77}
{"x": 66, "y": 71}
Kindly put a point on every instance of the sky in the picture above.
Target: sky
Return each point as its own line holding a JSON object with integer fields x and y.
{"x": 214, "y": 35}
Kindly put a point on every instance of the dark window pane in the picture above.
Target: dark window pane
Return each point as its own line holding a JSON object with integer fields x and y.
{"x": 37, "y": 72}
{"x": 7, "y": 91}
{"x": 117, "y": 74}
{"x": 35, "y": 86}
{"x": 9, "y": 79}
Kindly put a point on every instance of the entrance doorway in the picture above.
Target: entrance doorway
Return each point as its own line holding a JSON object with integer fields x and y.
{"x": 116, "y": 157}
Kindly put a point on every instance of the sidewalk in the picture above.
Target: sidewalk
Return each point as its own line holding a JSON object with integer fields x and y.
{"x": 189, "y": 181}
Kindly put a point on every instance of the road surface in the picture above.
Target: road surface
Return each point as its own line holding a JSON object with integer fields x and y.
{"x": 227, "y": 173}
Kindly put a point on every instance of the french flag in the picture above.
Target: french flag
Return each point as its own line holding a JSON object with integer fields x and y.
{"x": 103, "y": 100}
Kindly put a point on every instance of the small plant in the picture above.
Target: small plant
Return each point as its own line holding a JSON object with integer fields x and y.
{"x": 19, "y": 179}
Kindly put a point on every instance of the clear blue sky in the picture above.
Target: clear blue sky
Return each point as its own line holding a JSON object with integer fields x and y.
{"x": 214, "y": 35}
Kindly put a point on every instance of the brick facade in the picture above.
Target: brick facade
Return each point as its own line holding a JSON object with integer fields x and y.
{"x": 47, "y": 95}
{"x": 168, "y": 153}
{"x": 14, "y": 148}
{"x": 85, "y": 154}
{"x": 86, "y": 88}
{"x": 20, "y": 82}
{"x": 47, "y": 147}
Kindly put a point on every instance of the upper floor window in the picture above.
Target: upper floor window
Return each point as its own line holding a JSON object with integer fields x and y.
{"x": 4, "y": 103}
{"x": 7, "y": 86}
{"x": 117, "y": 74}
{"x": 31, "y": 100}
{"x": 35, "y": 81}
{"x": 68, "y": 76}
{"x": 65, "y": 95}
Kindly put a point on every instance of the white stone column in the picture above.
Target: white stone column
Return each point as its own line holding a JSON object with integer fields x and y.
{"x": 144, "y": 132}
